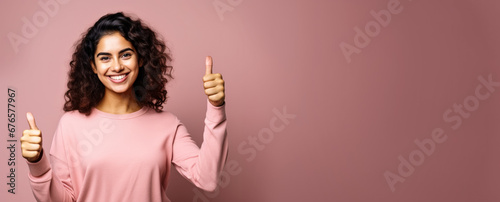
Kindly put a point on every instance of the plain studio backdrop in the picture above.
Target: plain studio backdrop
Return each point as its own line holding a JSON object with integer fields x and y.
{"x": 381, "y": 100}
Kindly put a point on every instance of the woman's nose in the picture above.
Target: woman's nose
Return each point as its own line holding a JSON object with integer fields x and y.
{"x": 117, "y": 66}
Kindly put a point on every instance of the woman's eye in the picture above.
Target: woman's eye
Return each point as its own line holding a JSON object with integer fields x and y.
{"x": 126, "y": 55}
{"x": 104, "y": 58}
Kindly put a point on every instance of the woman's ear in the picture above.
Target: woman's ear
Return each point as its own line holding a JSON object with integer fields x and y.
{"x": 93, "y": 67}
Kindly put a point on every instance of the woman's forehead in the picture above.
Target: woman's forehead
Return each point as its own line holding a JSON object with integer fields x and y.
{"x": 114, "y": 42}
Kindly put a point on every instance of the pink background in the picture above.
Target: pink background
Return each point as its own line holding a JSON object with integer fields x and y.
{"x": 353, "y": 119}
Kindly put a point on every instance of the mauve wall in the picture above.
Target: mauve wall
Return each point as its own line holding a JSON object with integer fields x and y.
{"x": 379, "y": 100}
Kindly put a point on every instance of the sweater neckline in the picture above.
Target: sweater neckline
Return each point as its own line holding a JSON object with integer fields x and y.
{"x": 137, "y": 113}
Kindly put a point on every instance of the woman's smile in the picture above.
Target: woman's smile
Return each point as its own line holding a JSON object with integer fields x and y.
{"x": 118, "y": 78}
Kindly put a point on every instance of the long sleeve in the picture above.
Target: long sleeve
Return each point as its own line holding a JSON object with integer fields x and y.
{"x": 203, "y": 165}
{"x": 85, "y": 160}
{"x": 52, "y": 182}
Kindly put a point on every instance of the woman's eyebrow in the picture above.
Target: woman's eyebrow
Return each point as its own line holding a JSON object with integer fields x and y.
{"x": 105, "y": 53}
{"x": 126, "y": 49}
{"x": 102, "y": 53}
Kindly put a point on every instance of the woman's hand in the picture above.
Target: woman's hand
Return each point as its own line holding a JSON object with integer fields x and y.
{"x": 214, "y": 85}
{"x": 31, "y": 141}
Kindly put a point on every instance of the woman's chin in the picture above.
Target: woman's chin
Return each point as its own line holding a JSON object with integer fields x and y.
{"x": 119, "y": 90}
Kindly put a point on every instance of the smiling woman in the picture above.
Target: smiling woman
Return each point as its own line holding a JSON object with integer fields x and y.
{"x": 120, "y": 46}
{"x": 114, "y": 142}
{"x": 117, "y": 67}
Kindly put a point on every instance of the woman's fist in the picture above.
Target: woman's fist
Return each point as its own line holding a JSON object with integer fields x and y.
{"x": 31, "y": 141}
{"x": 214, "y": 85}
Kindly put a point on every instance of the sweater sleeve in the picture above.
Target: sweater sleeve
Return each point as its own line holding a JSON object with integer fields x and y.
{"x": 203, "y": 165}
{"x": 50, "y": 179}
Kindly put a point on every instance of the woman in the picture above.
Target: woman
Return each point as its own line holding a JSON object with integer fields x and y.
{"x": 114, "y": 142}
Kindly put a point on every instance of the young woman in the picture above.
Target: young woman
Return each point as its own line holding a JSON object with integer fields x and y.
{"x": 114, "y": 142}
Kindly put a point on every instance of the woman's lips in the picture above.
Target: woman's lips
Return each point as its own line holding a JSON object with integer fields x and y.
{"x": 118, "y": 78}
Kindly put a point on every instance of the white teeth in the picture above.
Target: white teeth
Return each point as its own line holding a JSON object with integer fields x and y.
{"x": 118, "y": 77}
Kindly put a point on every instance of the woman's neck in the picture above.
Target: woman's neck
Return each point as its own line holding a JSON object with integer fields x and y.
{"x": 118, "y": 103}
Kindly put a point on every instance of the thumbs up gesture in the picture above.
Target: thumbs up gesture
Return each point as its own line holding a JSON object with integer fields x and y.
{"x": 214, "y": 85}
{"x": 31, "y": 141}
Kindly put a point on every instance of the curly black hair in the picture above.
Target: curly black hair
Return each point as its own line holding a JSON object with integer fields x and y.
{"x": 85, "y": 90}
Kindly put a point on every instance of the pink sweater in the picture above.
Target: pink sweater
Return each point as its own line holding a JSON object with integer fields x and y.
{"x": 127, "y": 157}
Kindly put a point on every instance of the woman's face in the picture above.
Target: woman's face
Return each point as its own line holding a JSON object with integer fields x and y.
{"x": 116, "y": 63}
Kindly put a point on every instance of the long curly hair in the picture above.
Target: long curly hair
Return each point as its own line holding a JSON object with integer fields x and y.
{"x": 85, "y": 90}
